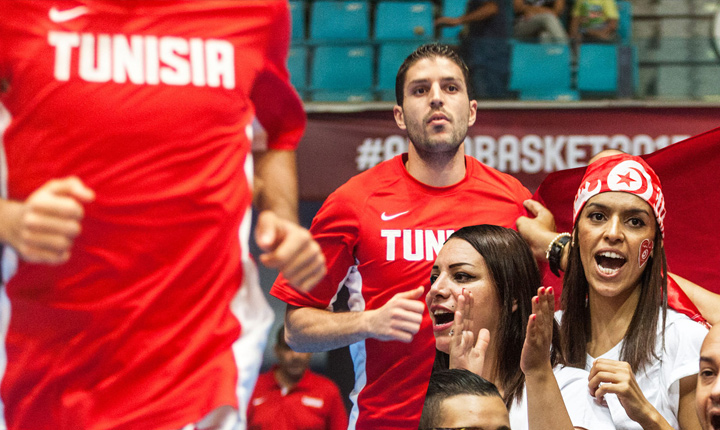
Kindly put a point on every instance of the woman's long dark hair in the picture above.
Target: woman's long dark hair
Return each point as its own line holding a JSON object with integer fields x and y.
{"x": 516, "y": 278}
{"x": 639, "y": 341}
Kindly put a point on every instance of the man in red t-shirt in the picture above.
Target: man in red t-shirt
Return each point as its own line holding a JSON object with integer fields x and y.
{"x": 129, "y": 297}
{"x": 292, "y": 397}
{"x": 380, "y": 233}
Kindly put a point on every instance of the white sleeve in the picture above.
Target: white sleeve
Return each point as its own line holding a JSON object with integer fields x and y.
{"x": 683, "y": 339}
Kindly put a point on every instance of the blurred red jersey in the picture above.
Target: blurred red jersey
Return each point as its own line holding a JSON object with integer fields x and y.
{"x": 149, "y": 103}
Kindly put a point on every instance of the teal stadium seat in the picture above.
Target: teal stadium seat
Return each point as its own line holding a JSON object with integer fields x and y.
{"x": 297, "y": 13}
{"x": 453, "y": 9}
{"x": 625, "y": 22}
{"x": 390, "y": 56}
{"x": 339, "y": 21}
{"x": 597, "y": 68}
{"x": 404, "y": 20}
{"x": 297, "y": 66}
{"x": 541, "y": 71}
{"x": 342, "y": 73}
{"x": 611, "y": 69}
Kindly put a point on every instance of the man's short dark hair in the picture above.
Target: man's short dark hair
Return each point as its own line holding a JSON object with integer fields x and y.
{"x": 449, "y": 383}
{"x": 430, "y": 50}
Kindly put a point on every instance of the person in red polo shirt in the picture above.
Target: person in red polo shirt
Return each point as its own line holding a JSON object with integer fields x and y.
{"x": 291, "y": 396}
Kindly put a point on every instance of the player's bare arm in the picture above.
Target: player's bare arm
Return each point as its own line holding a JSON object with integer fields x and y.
{"x": 43, "y": 228}
{"x": 276, "y": 186}
{"x": 290, "y": 249}
{"x": 287, "y": 246}
{"x": 539, "y": 231}
{"x": 314, "y": 330}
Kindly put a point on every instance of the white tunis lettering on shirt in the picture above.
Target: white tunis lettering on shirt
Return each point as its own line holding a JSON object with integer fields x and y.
{"x": 413, "y": 245}
{"x": 144, "y": 60}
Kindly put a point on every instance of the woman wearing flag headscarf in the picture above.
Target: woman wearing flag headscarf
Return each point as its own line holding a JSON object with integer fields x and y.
{"x": 642, "y": 356}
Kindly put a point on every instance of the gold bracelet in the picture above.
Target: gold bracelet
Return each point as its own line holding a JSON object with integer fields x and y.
{"x": 552, "y": 242}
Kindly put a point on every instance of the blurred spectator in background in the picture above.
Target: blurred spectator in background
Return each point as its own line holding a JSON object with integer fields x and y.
{"x": 540, "y": 19}
{"x": 458, "y": 398}
{"x": 594, "y": 21}
{"x": 485, "y": 46}
{"x": 291, "y": 397}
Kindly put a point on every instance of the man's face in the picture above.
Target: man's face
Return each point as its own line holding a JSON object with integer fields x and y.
{"x": 707, "y": 394}
{"x": 436, "y": 110}
{"x": 472, "y": 411}
{"x": 292, "y": 363}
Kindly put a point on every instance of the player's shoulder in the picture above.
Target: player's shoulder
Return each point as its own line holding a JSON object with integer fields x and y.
{"x": 481, "y": 172}
{"x": 381, "y": 176}
{"x": 23, "y": 15}
{"x": 246, "y": 15}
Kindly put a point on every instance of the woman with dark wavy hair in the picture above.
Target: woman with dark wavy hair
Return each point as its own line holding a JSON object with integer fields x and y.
{"x": 486, "y": 320}
{"x": 642, "y": 357}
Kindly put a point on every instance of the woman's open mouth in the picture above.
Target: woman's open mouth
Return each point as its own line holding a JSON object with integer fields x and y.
{"x": 609, "y": 262}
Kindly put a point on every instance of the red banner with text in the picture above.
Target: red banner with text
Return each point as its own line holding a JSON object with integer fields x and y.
{"x": 527, "y": 143}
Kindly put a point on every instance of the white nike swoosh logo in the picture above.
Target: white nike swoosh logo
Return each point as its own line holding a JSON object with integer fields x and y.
{"x": 67, "y": 15}
{"x": 389, "y": 217}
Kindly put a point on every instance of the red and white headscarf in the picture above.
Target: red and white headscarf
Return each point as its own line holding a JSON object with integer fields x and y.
{"x": 625, "y": 173}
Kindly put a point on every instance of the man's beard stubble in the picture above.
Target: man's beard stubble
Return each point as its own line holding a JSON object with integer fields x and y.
{"x": 434, "y": 151}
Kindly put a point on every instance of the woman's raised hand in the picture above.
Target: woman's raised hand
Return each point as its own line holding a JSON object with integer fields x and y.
{"x": 538, "y": 340}
{"x": 465, "y": 351}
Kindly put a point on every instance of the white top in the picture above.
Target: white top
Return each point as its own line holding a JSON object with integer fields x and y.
{"x": 660, "y": 381}
{"x": 584, "y": 411}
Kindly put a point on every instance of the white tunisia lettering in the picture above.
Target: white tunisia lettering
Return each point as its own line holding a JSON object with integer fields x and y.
{"x": 144, "y": 60}
{"x": 416, "y": 245}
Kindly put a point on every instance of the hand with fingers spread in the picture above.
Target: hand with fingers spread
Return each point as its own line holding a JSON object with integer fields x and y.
{"x": 43, "y": 228}
{"x": 611, "y": 376}
{"x": 290, "y": 249}
{"x": 398, "y": 319}
{"x": 465, "y": 352}
{"x": 538, "y": 340}
{"x": 545, "y": 400}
